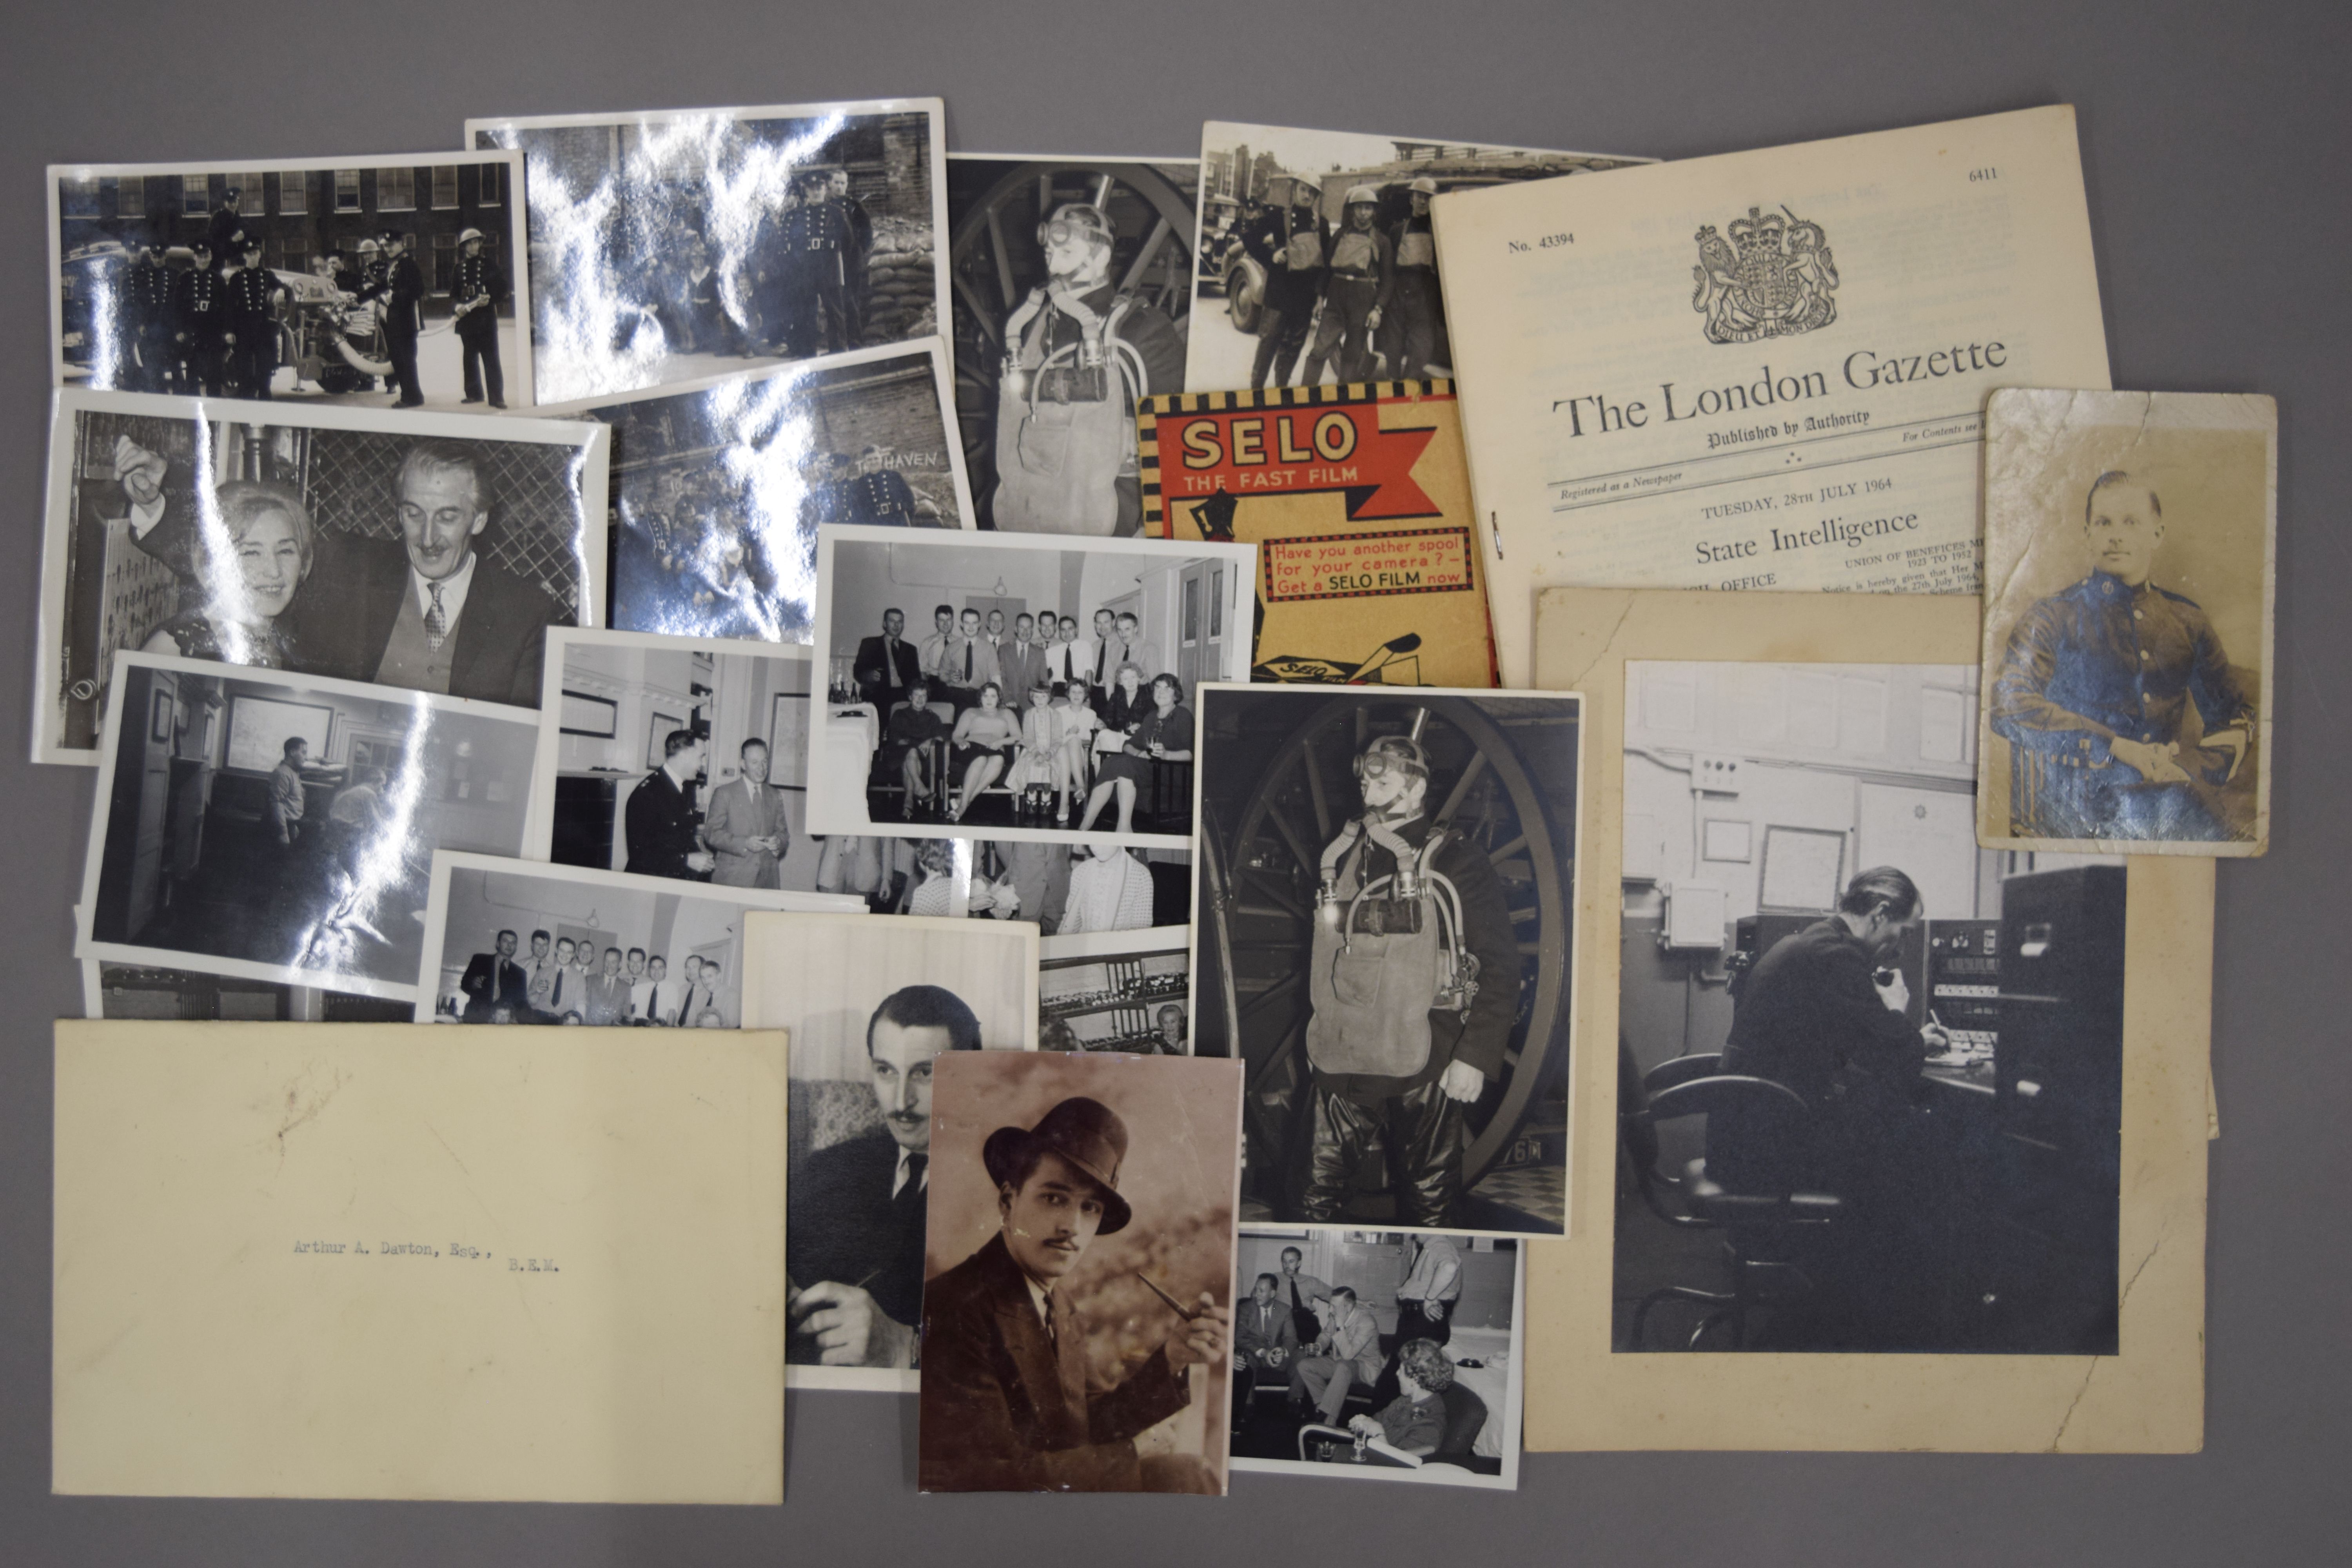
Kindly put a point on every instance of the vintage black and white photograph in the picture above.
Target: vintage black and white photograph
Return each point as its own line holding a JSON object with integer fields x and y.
{"x": 1317, "y": 256}
{"x": 515, "y": 942}
{"x": 1077, "y": 1304}
{"x": 1870, "y": 1073}
{"x": 718, "y": 486}
{"x": 871, "y": 1006}
{"x": 1383, "y": 932}
{"x": 267, "y": 826}
{"x": 2132, "y": 537}
{"x": 1380, "y": 1355}
{"x": 391, "y": 281}
{"x": 1072, "y": 297}
{"x": 674, "y": 244}
{"x": 144, "y": 991}
{"x": 950, "y": 705}
{"x": 1117, "y": 991}
{"x": 428, "y": 552}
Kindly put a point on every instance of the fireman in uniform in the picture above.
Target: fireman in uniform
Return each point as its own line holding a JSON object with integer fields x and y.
{"x": 1409, "y": 328}
{"x": 474, "y": 296}
{"x": 1356, "y": 296}
{"x": 200, "y": 322}
{"x": 147, "y": 316}
{"x": 815, "y": 235}
{"x": 867, "y": 491}
{"x": 858, "y": 226}
{"x": 224, "y": 229}
{"x": 402, "y": 290}
{"x": 1293, "y": 244}
{"x": 1412, "y": 1001}
{"x": 252, "y": 330}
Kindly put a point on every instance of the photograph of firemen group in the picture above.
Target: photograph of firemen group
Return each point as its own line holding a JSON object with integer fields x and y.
{"x": 674, "y": 246}
{"x": 377, "y": 286}
{"x": 1318, "y": 254}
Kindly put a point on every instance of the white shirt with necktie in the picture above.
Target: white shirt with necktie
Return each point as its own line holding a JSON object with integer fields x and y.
{"x": 453, "y": 588}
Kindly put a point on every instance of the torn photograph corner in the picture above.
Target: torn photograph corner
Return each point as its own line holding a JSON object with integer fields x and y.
{"x": 389, "y": 282}
{"x": 2132, "y": 537}
{"x": 1047, "y": 701}
{"x": 1077, "y": 1304}
{"x": 719, "y": 485}
{"x": 510, "y": 941}
{"x": 1380, "y": 1355}
{"x": 426, "y": 552}
{"x": 871, "y": 1006}
{"x": 1072, "y": 300}
{"x": 674, "y": 244}
{"x": 1383, "y": 932}
{"x": 1317, "y": 256}
{"x": 261, "y": 825}
{"x": 1117, "y": 991}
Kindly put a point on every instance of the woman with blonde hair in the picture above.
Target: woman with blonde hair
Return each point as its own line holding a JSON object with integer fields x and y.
{"x": 253, "y": 551}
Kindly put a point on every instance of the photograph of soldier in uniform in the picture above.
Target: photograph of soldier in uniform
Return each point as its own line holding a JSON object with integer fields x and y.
{"x": 1072, "y": 299}
{"x": 275, "y": 279}
{"x": 268, "y": 826}
{"x": 681, "y": 243}
{"x": 928, "y": 729}
{"x": 718, "y": 486}
{"x": 1870, "y": 1073}
{"x": 1381, "y": 930}
{"x": 1077, "y": 1323}
{"x": 566, "y": 946}
{"x": 1380, "y": 1355}
{"x": 1321, "y": 258}
{"x": 873, "y": 1007}
{"x": 2127, "y": 647}
{"x": 428, "y": 552}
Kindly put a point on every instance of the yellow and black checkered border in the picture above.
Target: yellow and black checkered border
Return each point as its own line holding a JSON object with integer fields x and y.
{"x": 1148, "y": 410}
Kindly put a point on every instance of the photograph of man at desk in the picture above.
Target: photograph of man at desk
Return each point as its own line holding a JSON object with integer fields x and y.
{"x": 1870, "y": 1075}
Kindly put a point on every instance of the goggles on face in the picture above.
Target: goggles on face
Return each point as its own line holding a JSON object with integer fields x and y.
{"x": 1392, "y": 755}
{"x": 1075, "y": 221}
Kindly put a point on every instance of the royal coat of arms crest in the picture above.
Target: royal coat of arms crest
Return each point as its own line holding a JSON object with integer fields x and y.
{"x": 1773, "y": 278}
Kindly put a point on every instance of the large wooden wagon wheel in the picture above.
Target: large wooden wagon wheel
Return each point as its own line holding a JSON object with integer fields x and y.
{"x": 993, "y": 260}
{"x": 1259, "y": 873}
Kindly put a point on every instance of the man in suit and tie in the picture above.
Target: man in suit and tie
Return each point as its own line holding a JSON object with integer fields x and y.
{"x": 659, "y": 820}
{"x": 745, "y": 826}
{"x": 1007, "y": 1400}
{"x": 887, "y": 664}
{"x": 664, "y": 997}
{"x": 854, "y": 1240}
{"x": 1021, "y": 663}
{"x": 495, "y": 980}
{"x": 933, "y": 652}
{"x": 545, "y": 971}
{"x": 1345, "y": 1354}
{"x": 967, "y": 663}
{"x": 607, "y": 996}
{"x": 1301, "y": 1292}
{"x": 702, "y": 994}
{"x": 1264, "y": 1340}
{"x": 1134, "y": 649}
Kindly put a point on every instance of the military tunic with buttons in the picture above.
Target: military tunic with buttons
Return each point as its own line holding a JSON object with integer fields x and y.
{"x": 478, "y": 278}
{"x": 200, "y": 318}
{"x": 253, "y": 358}
{"x": 2100, "y": 662}
{"x": 147, "y": 318}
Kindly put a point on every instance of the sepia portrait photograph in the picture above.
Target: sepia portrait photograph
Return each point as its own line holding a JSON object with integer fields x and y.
{"x": 677, "y": 244}
{"x": 510, "y": 942}
{"x": 428, "y": 552}
{"x": 1116, "y": 991}
{"x": 1382, "y": 931}
{"x": 385, "y": 282}
{"x": 1317, "y": 257}
{"x": 1072, "y": 299}
{"x": 2130, "y": 540}
{"x": 872, "y": 1006}
{"x": 1380, "y": 1355}
{"x": 1870, "y": 1073}
{"x": 718, "y": 486}
{"x": 146, "y": 991}
{"x": 266, "y": 826}
{"x": 987, "y": 686}
{"x": 1077, "y": 1301}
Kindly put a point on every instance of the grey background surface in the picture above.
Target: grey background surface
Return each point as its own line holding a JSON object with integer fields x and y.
{"x": 2215, "y": 140}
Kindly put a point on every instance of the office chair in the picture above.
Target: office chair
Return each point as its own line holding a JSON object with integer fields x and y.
{"x": 1638, "y": 1138}
{"x": 1759, "y": 1222}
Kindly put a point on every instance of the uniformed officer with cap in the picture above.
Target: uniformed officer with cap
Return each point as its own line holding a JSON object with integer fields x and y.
{"x": 1293, "y": 244}
{"x": 1355, "y": 295}
{"x": 868, "y": 491}
{"x": 200, "y": 322}
{"x": 474, "y": 298}
{"x": 2094, "y": 689}
{"x": 147, "y": 316}
{"x": 224, "y": 229}
{"x": 1006, "y": 1400}
{"x": 402, "y": 290}
{"x": 252, "y": 336}
{"x": 816, "y": 236}
{"x": 1408, "y": 326}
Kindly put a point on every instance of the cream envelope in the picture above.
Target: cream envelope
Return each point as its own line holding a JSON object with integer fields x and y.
{"x": 371, "y": 1261}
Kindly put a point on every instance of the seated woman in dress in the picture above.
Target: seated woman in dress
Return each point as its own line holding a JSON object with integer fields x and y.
{"x": 1128, "y": 702}
{"x": 1037, "y": 766}
{"x": 983, "y": 741}
{"x": 248, "y": 569}
{"x": 907, "y": 742}
{"x": 1074, "y": 723}
{"x": 1162, "y": 734}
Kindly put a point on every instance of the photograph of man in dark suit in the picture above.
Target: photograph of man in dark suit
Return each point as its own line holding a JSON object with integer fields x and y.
{"x": 745, "y": 826}
{"x": 854, "y": 1244}
{"x": 495, "y": 980}
{"x": 1264, "y": 1340}
{"x": 1006, "y": 1403}
{"x": 663, "y": 828}
{"x": 887, "y": 664}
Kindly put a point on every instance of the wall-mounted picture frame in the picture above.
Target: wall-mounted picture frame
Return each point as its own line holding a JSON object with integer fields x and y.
{"x": 584, "y": 714}
{"x": 663, "y": 723}
{"x": 1801, "y": 869}
{"x": 1728, "y": 838}
{"x": 159, "y": 729}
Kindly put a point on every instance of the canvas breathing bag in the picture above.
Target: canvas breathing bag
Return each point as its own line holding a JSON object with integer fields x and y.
{"x": 1064, "y": 418}
{"x": 1385, "y": 953}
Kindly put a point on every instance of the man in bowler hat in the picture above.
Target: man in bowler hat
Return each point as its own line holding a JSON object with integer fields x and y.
{"x": 1006, "y": 1406}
